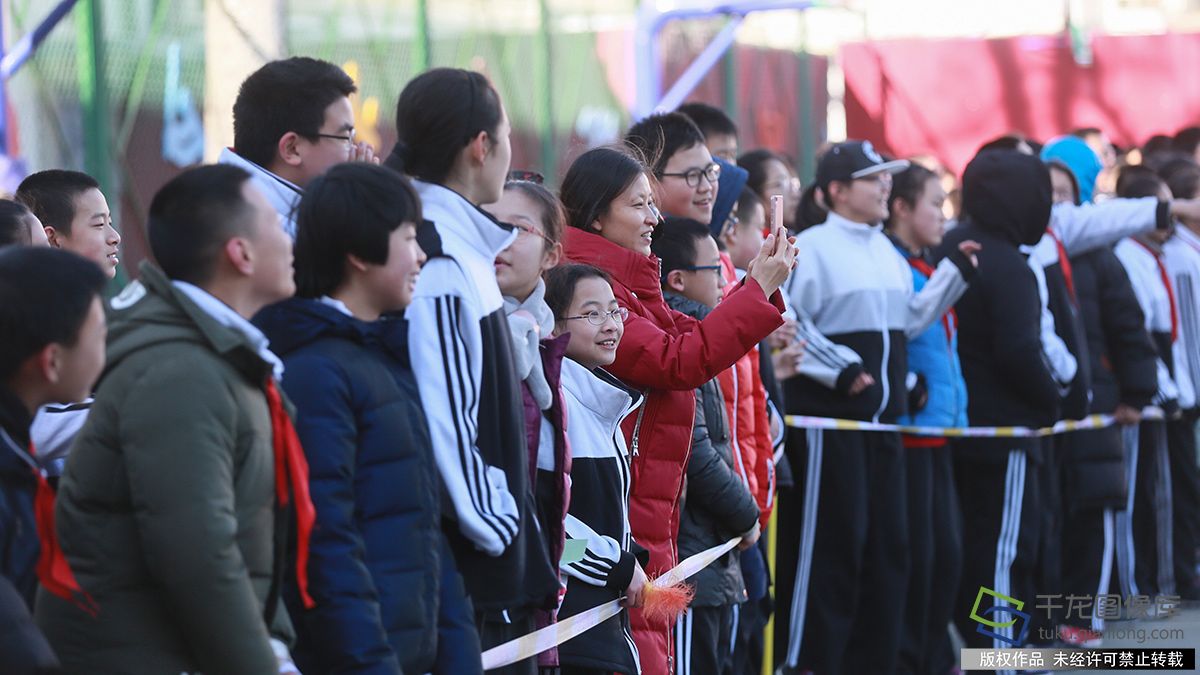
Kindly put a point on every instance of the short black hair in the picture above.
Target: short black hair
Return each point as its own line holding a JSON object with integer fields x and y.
{"x": 1158, "y": 143}
{"x": 45, "y": 296}
{"x": 561, "y": 282}
{"x": 1183, "y": 177}
{"x": 1186, "y": 140}
{"x": 51, "y": 194}
{"x": 13, "y": 228}
{"x": 282, "y": 96}
{"x": 675, "y": 243}
{"x": 746, "y": 204}
{"x": 193, "y": 215}
{"x": 352, "y": 209}
{"x": 1084, "y": 132}
{"x": 709, "y": 119}
{"x": 1138, "y": 181}
{"x": 1005, "y": 142}
{"x": 659, "y": 137}
{"x": 595, "y": 179}
{"x": 437, "y": 115}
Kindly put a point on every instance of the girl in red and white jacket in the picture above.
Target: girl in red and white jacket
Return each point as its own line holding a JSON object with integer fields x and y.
{"x": 611, "y": 215}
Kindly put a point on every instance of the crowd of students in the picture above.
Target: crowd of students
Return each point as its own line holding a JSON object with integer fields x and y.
{"x": 381, "y": 414}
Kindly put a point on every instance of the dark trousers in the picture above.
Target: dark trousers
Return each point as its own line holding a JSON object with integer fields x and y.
{"x": 493, "y": 633}
{"x": 1152, "y": 513}
{"x": 1048, "y": 579}
{"x": 851, "y": 574}
{"x": 703, "y": 638}
{"x": 1185, "y": 491}
{"x": 750, "y": 618}
{"x": 935, "y": 541}
{"x": 1001, "y": 536}
{"x": 458, "y": 638}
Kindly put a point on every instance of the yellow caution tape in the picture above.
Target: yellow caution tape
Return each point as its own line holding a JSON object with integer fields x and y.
{"x": 1089, "y": 422}
{"x": 553, "y": 635}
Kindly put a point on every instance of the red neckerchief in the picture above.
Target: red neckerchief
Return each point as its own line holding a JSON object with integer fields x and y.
{"x": 1065, "y": 264}
{"x": 949, "y": 319}
{"x": 53, "y": 570}
{"x": 291, "y": 464}
{"x": 1166, "y": 281}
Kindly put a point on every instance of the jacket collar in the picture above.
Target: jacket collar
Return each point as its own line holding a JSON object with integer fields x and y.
{"x": 859, "y": 229}
{"x": 679, "y": 303}
{"x": 184, "y": 314}
{"x": 599, "y": 392}
{"x": 639, "y": 273}
{"x": 462, "y": 224}
{"x": 227, "y": 317}
{"x": 14, "y": 418}
{"x": 281, "y": 193}
{"x": 15, "y": 457}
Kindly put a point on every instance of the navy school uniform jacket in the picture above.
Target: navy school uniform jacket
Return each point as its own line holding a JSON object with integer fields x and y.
{"x": 461, "y": 352}
{"x": 374, "y": 567}
{"x": 23, "y": 648}
{"x": 854, "y": 295}
{"x": 999, "y": 317}
{"x": 596, "y": 403}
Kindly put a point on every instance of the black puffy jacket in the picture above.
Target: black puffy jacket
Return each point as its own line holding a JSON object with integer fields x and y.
{"x": 1006, "y": 199}
{"x": 1122, "y": 367}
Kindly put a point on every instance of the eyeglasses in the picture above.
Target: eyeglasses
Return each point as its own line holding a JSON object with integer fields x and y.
{"x": 786, "y": 185}
{"x": 348, "y": 139}
{"x": 531, "y": 230}
{"x": 526, "y": 176}
{"x": 711, "y": 173}
{"x": 702, "y": 268}
{"x": 598, "y": 318}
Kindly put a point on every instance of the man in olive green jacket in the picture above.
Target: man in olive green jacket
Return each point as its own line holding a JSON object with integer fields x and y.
{"x": 167, "y": 511}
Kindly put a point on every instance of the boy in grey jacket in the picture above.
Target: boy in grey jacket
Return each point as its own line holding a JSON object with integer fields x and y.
{"x": 717, "y": 503}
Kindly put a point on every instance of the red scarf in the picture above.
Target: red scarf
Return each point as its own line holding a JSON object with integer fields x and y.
{"x": 1064, "y": 264}
{"x": 53, "y": 570}
{"x": 1166, "y": 282}
{"x": 950, "y": 318}
{"x": 291, "y": 464}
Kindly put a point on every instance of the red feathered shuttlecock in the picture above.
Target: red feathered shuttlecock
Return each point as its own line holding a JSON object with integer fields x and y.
{"x": 661, "y": 604}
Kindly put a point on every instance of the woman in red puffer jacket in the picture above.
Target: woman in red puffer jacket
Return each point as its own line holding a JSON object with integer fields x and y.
{"x": 666, "y": 355}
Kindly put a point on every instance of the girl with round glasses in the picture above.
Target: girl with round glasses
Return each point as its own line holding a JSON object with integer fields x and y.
{"x": 663, "y": 354}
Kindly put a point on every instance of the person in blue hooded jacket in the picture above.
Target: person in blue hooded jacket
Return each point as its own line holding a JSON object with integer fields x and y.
{"x": 389, "y": 598}
{"x": 937, "y": 397}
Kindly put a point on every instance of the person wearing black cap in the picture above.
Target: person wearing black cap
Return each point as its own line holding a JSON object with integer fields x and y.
{"x": 853, "y": 288}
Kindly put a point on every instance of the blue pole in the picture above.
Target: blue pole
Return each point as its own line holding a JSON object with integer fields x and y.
{"x": 25, "y": 47}
{"x": 3, "y": 89}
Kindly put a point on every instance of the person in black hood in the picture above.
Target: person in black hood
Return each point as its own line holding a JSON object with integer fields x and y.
{"x": 1006, "y": 201}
